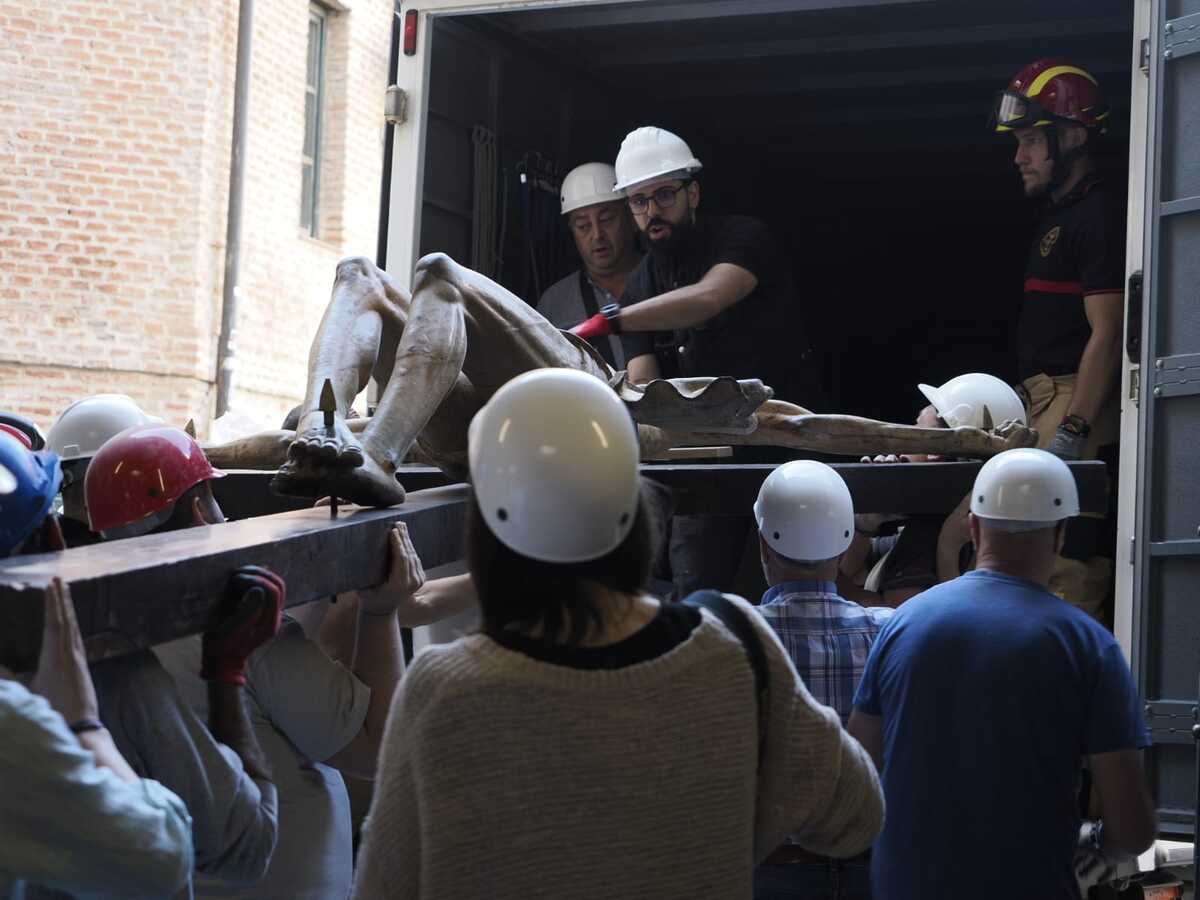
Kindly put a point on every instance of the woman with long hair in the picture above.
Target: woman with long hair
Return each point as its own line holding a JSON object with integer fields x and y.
{"x": 591, "y": 741}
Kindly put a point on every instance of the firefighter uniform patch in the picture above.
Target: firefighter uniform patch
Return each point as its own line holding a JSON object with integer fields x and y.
{"x": 1048, "y": 240}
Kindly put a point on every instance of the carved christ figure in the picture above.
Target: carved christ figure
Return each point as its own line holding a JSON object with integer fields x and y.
{"x": 439, "y": 354}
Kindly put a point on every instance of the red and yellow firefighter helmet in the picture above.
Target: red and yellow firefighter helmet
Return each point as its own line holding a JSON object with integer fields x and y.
{"x": 137, "y": 475}
{"x": 1047, "y": 92}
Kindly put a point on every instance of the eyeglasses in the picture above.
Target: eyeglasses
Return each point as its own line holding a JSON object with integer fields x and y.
{"x": 664, "y": 198}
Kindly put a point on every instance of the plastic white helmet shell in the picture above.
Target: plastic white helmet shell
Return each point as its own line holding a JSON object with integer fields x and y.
{"x": 554, "y": 465}
{"x": 960, "y": 401}
{"x": 588, "y": 185}
{"x": 83, "y": 427}
{"x": 804, "y": 511}
{"x": 648, "y": 153}
{"x": 1025, "y": 485}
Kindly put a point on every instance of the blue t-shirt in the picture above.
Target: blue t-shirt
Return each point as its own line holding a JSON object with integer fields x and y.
{"x": 991, "y": 691}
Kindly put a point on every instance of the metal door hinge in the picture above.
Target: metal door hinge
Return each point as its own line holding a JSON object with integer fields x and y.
{"x": 1181, "y": 37}
{"x": 1144, "y": 57}
{"x": 395, "y": 105}
{"x": 1135, "y": 385}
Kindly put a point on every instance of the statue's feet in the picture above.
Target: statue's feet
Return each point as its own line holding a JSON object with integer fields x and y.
{"x": 369, "y": 484}
{"x": 1012, "y": 435}
{"x": 322, "y": 447}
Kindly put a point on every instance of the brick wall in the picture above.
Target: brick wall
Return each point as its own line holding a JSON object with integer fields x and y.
{"x": 114, "y": 155}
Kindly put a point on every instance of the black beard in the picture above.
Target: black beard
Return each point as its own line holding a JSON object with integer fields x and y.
{"x": 1039, "y": 191}
{"x": 672, "y": 249}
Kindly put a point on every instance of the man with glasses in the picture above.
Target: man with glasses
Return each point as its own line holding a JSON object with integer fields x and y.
{"x": 606, "y": 239}
{"x": 712, "y": 297}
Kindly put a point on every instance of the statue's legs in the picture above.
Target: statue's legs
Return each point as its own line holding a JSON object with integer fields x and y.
{"x": 505, "y": 337}
{"x": 371, "y": 326}
{"x": 440, "y": 353}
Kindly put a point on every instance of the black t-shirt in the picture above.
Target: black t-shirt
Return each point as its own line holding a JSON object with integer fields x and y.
{"x": 671, "y": 626}
{"x": 761, "y": 336}
{"x": 1078, "y": 250}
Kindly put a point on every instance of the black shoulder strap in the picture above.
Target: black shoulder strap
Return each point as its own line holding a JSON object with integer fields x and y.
{"x": 591, "y": 306}
{"x": 735, "y": 620}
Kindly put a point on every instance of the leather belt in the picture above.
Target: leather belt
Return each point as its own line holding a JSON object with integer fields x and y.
{"x": 794, "y": 854}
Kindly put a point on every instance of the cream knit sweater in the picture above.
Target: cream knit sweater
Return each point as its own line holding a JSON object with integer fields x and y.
{"x": 502, "y": 776}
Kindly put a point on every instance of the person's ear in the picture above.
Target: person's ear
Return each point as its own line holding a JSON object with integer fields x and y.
{"x": 693, "y": 192}
{"x": 1071, "y": 137}
{"x": 1060, "y": 537}
{"x": 974, "y": 527}
{"x": 765, "y": 554}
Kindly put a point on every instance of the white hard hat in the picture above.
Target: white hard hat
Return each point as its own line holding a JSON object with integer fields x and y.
{"x": 554, "y": 465}
{"x": 960, "y": 401}
{"x": 587, "y": 185}
{"x": 648, "y": 153}
{"x": 1025, "y": 486}
{"x": 86, "y": 424}
{"x": 804, "y": 511}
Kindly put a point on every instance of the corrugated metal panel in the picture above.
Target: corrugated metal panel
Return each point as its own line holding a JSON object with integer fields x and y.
{"x": 1166, "y": 651}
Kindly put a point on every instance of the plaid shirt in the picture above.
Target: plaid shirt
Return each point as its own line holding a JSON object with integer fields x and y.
{"x": 827, "y": 637}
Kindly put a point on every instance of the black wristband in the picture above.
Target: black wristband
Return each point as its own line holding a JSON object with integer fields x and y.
{"x": 1076, "y": 425}
{"x": 86, "y": 724}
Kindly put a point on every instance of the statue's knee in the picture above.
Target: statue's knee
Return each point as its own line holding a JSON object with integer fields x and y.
{"x": 436, "y": 266}
{"x": 354, "y": 267}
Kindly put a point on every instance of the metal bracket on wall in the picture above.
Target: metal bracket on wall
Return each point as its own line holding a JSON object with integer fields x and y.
{"x": 1171, "y": 721}
{"x": 1181, "y": 37}
{"x": 395, "y": 105}
{"x": 1135, "y": 385}
{"x": 1176, "y": 376}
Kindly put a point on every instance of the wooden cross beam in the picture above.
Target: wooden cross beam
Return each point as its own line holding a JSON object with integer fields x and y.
{"x": 146, "y": 590}
{"x": 724, "y": 489}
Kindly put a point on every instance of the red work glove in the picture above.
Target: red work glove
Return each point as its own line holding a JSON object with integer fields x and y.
{"x": 596, "y": 326}
{"x": 254, "y": 608}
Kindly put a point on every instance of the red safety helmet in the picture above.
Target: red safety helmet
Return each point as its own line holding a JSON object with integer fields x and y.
{"x": 137, "y": 475}
{"x": 1047, "y": 92}
{"x": 18, "y": 434}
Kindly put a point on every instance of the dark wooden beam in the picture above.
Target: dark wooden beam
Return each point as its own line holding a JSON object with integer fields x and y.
{"x": 911, "y": 488}
{"x": 146, "y": 590}
{"x": 727, "y": 489}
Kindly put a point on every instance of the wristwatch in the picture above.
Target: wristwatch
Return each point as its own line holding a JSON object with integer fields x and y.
{"x": 1076, "y": 425}
{"x": 612, "y": 312}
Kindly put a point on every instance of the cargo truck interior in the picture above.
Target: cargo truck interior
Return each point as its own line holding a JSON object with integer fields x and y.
{"x": 856, "y": 130}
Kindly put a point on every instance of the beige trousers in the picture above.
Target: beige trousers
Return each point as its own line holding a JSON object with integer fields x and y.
{"x": 1087, "y": 585}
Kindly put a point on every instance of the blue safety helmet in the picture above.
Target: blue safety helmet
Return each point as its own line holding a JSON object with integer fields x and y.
{"x": 26, "y": 493}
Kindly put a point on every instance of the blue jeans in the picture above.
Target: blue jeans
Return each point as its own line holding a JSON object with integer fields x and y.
{"x": 836, "y": 879}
